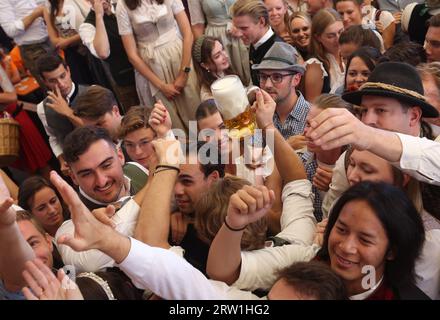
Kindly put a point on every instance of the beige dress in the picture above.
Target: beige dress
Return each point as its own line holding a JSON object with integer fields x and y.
{"x": 160, "y": 45}
{"x": 215, "y": 13}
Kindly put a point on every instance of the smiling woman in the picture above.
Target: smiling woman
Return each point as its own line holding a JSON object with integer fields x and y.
{"x": 279, "y": 18}
{"x": 37, "y": 196}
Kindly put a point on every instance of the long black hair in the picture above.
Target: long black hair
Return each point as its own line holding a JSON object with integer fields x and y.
{"x": 399, "y": 218}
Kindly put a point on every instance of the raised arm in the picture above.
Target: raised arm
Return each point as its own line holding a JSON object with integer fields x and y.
{"x": 313, "y": 81}
{"x": 100, "y": 41}
{"x": 418, "y": 157}
{"x": 154, "y": 219}
{"x": 159, "y": 270}
{"x": 287, "y": 161}
{"x": 245, "y": 206}
{"x": 14, "y": 249}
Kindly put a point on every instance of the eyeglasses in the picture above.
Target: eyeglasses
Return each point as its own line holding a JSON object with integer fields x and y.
{"x": 274, "y": 77}
{"x": 143, "y": 144}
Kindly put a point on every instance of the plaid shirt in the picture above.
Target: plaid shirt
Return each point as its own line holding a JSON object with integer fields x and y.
{"x": 310, "y": 164}
{"x": 296, "y": 120}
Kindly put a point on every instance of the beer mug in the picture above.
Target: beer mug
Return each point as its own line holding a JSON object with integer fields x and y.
{"x": 233, "y": 104}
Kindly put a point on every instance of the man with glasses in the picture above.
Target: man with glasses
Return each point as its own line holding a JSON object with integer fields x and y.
{"x": 432, "y": 39}
{"x": 279, "y": 74}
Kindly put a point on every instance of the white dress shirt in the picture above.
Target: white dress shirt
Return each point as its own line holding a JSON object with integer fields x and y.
{"x": 171, "y": 277}
{"x": 267, "y": 35}
{"x": 125, "y": 220}
{"x": 55, "y": 145}
{"x": 11, "y": 14}
{"x": 420, "y": 158}
{"x": 298, "y": 225}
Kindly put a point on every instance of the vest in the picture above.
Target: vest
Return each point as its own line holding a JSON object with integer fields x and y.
{"x": 255, "y": 56}
{"x": 60, "y": 125}
{"x": 120, "y": 67}
{"x": 417, "y": 28}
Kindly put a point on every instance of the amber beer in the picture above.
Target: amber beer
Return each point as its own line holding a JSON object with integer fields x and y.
{"x": 233, "y": 104}
{"x": 242, "y": 125}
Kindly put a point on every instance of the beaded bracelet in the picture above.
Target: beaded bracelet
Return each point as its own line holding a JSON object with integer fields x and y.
{"x": 233, "y": 229}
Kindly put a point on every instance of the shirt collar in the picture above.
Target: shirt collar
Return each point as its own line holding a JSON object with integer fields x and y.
{"x": 269, "y": 33}
{"x": 118, "y": 203}
{"x": 366, "y": 294}
{"x": 71, "y": 93}
{"x": 298, "y": 109}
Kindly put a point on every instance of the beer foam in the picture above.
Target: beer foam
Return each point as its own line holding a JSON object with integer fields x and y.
{"x": 230, "y": 95}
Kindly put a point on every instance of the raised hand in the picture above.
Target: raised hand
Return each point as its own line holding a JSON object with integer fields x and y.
{"x": 160, "y": 120}
{"x": 58, "y": 103}
{"x": 264, "y": 108}
{"x": 7, "y": 213}
{"x": 89, "y": 232}
{"x": 248, "y": 205}
{"x": 98, "y": 6}
{"x": 43, "y": 285}
{"x": 168, "y": 152}
{"x": 336, "y": 127}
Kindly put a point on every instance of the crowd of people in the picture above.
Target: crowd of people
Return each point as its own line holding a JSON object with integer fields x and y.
{"x": 130, "y": 185}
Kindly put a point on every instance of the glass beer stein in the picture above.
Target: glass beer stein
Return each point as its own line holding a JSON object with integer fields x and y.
{"x": 233, "y": 104}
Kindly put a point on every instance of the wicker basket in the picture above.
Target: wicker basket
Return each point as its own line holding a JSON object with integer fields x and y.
{"x": 9, "y": 141}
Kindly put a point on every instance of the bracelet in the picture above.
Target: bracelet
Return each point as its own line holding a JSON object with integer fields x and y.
{"x": 232, "y": 229}
{"x": 167, "y": 167}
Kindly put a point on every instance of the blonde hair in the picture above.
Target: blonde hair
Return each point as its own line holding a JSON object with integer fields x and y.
{"x": 211, "y": 210}
{"x": 301, "y": 15}
{"x": 253, "y": 8}
{"x": 321, "y": 20}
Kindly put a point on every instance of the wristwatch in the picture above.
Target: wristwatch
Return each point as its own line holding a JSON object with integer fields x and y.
{"x": 186, "y": 69}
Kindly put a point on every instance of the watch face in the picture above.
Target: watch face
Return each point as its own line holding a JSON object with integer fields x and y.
{"x": 187, "y": 69}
